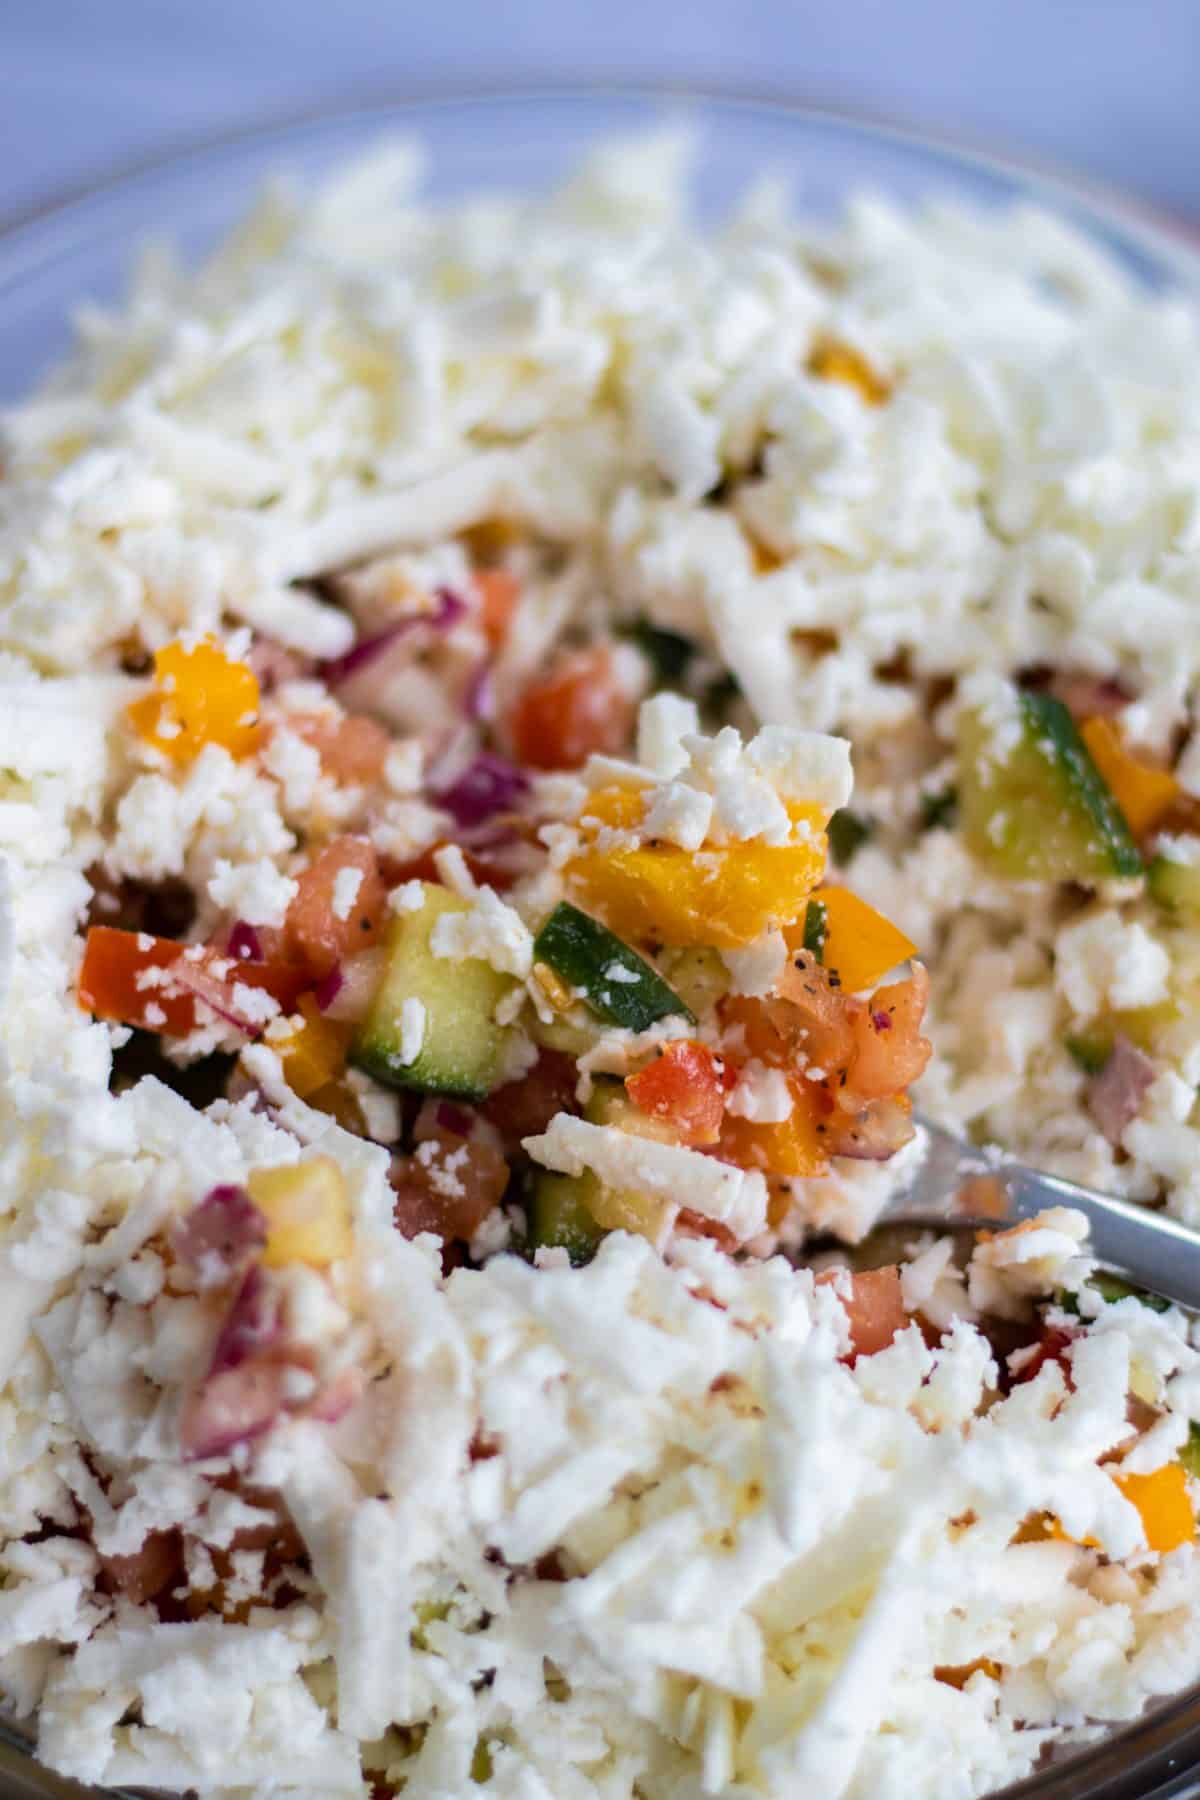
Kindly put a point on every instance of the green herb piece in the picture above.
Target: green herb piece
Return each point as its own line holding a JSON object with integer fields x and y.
{"x": 816, "y": 929}
{"x": 847, "y": 831}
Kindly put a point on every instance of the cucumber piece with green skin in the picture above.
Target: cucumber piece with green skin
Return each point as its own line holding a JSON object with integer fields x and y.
{"x": 618, "y": 984}
{"x": 697, "y": 975}
{"x": 816, "y": 929}
{"x": 1175, "y": 886}
{"x": 1039, "y": 809}
{"x": 559, "y": 1215}
{"x": 462, "y": 1049}
{"x": 1090, "y": 1049}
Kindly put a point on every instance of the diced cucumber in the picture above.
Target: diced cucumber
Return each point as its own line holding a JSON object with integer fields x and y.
{"x": 572, "y": 1032}
{"x": 939, "y": 809}
{"x": 667, "y": 652}
{"x": 698, "y": 976}
{"x": 559, "y": 1214}
{"x": 1038, "y": 809}
{"x": 1091, "y": 1049}
{"x": 618, "y": 984}
{"x": 1175, "y": 886}
{"x": 816, "y": 929}
{"x": 462, "y": 1047}
{"x": 1112, "y": 1288}
{"x": 1189, "y": 1456}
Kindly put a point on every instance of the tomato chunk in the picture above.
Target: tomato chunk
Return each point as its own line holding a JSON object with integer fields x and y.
{"x": 524, "y": 1108}
{"x": 874, "y": 1306}
{"x": 452, "y": 1180}
{"x": 353, "y": 749}
{"x": 684, "y": 1085}
{"x": 125, "y": 976}
{"x": 579, "y": 709}
{"x": 330, "y": 917}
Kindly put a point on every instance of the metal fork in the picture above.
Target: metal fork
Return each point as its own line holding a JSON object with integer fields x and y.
{"x": 959, "y": 1187}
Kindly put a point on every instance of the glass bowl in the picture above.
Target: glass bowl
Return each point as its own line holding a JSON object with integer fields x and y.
{"x": 81, "y": 250}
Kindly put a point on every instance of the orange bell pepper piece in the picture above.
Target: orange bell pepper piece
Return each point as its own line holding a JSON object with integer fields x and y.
{"x": 1145, "y": 794}
{"x": 1162, "y": 1498}
{"x": 724, "y": 895}
{"x": 790, "y": 1146}
{"x": 860, "y": 944}
{"x": 200, "y": 696}
{"x": 313, "y": 1056}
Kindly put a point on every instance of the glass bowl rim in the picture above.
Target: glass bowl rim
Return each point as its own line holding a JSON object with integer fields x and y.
{"x": 1156, "y": 1763}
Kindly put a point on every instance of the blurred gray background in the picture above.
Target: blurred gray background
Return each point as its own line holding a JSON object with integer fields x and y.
{"x": 1107, "y": 87}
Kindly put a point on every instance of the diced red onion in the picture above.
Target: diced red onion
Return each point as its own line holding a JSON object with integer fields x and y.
{"x": 252, "y": 1324}
{"x": 490, "y": 784}
{"x": 219, "y": 1234}
{"x": 872, "y": 1135}
{"x": 348, "y": 989}
{"x": 245, "y": 945}
{"x": 1114, "y": 1096}
{"x": 479, "y": 699}
{"x": 217, "y": 992}
{"x": 448, "y": 610}
{"x": 231, "y": 1407}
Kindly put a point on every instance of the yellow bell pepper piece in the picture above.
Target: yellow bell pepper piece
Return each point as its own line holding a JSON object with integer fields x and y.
{"x": 834, "y": 361}
{"x": 860, "y": 944}
{"x": 315, "y": 1054}
{"x": 307, "y": 1210}
{"x": 724, "y": 895}
{"x": 1144, "y": 794}
{"x": 200, "y": 696}
{"x": 1162, "y": 1499}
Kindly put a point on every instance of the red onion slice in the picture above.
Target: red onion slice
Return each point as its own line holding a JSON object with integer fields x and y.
{"x": 872, "y": 1135}
{"x": 219, "y": 1234}
{"x": 447, "y": 612}
{"x": 252, "y": 1325}
{"x": 489, "y": 784}
{"x": 232, "y": 1407}
{"x": 245, "y": 945}
{"x": 196, "y": 976}
{"x": 1114, "y": 1096}
{"x": 348, "y": 990}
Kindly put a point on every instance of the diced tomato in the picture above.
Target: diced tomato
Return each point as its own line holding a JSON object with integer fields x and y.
{"x": 577, "y": 710}
{"x": 487, "y": 870}
{"x": 524, "y": 1108}
{"x": 685, "y": 1086}
{"x": 321, "y": 928}
{"x": 353, "y": 749}
{"x": 449, "y": 1184}
{"x": 498, "y": 593}
{"x": 889, "y": 1051}
{"x": 813, "y": 1016}
{"x": 116, "y": 980}
{"x": 144, "y": 1573}
{"x": 872, "y": 1134}
{"x": 874, "y": 1305}
{"x": 1052, "y": 1346}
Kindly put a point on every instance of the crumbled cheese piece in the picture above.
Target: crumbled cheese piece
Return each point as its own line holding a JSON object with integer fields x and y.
{"x": 762, "y": 1094}
{"x": 1104, "y": 961}
{"x": 451, "y": 866}
{"x": 490, "y": 930}
{"x": 412, "y": 1028}
{"x": 346, "y": 884}
{"x": 757, "y": 967}
{"x": 679, "y": 814}
{"x": 664, "y": 721}
{"x": 256, "y": 892}
{"x": 409, "y": 897}
{"x": 734, "y": 1197}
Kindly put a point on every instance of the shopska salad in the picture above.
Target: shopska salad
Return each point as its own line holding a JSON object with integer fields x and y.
{"x": 453, "y": 1007}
